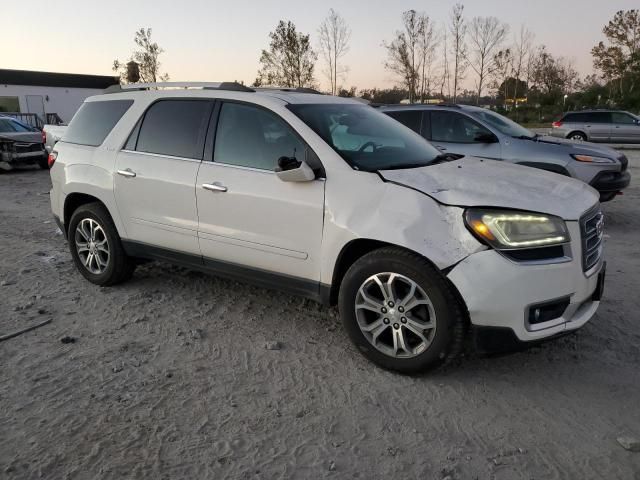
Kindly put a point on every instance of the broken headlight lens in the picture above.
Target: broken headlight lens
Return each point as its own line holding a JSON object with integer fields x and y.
{"x": 508, "y": 230}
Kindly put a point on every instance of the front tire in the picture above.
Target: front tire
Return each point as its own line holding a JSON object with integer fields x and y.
{"x": 96, "y": 247}
{"x": 400, "y": 311}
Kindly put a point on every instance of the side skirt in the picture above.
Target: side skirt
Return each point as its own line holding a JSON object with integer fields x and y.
{"x": 263, "y": 278}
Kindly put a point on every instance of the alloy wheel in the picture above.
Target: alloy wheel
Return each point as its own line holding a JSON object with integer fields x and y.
{"x": 92, "y": 246}
{"x": 395, "y": 315}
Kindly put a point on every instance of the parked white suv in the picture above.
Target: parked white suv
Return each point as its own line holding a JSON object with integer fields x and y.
{"x": 328, "y": 198}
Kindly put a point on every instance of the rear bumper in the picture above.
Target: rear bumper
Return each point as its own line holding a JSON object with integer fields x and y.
{"x": 611, "y": 181}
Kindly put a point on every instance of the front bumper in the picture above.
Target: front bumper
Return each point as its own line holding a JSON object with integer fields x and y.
{"x": 499, "y": 291}
{"x": 606, "y": 182}
{"x": 22, "y": 158}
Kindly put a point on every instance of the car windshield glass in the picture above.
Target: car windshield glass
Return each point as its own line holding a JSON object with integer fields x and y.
{"x": 502, "y": 124}
{"x": 365, "y": 138}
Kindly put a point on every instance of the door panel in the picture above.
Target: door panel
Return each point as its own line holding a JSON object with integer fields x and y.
{"x": 158, "y": 204}
{"x": 624, "y": 128}
{"x": 247, "y": 215}
{"x": 598, "y": 126}
{"x": 260, "y": 221}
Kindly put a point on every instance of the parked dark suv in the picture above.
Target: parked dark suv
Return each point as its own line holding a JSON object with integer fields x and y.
{"x": 598, "y": 126}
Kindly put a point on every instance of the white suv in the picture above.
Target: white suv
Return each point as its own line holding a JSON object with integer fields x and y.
{"x": 326, "y": 197}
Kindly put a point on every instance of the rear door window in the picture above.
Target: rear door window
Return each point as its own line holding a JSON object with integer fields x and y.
{"x": 409, "y": 118}
{"x": 174, "y": 128}
{"x": 598, "y": 117}
{"x": 94, "y": 121}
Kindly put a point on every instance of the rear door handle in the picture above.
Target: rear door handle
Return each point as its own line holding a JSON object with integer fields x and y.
{"x": 214, "y": 187}
{"x": 127, "y": 173}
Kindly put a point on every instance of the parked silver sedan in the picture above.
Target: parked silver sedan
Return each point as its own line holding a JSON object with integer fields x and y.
{"x": 598, "y": 126}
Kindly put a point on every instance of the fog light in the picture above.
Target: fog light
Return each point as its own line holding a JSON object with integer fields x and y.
{"x": 547, "y": 311}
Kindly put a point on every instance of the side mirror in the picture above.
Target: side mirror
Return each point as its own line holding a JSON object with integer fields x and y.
{"x": 290, "y": 169}
{"x": 486, "y": 138}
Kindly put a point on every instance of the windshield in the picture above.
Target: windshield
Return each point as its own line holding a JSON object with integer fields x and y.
{"x": 10, "y": 125}
{"x": 365, "y": 138}
{"x": 502, "y": 124}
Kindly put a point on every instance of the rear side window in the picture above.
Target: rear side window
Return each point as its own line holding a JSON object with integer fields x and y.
{"x": 624, "y": 118}
{"x": 175, "y": 127}
{"x": 94, "y": 121}
{"x": 409, "y": 118}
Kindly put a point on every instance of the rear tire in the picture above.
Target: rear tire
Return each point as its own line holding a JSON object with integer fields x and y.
{"x": 578, "y": 136}
{"x": 391, "y": 329}
{"x": 43, "y": 163}
{"x": 96, "y": 247}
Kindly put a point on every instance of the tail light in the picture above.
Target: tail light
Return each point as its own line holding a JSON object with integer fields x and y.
{"x": 44, "y": 136}
{"x": 52, "y": 158}
{"x": 557, "y": 124}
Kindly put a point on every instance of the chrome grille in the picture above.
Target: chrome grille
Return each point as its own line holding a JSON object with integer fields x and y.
{"x": 592, "y": 231}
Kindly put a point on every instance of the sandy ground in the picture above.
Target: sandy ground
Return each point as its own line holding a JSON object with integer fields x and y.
{"x": 170, "y": 377}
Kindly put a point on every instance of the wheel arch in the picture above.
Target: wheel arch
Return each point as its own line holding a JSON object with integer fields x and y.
{"x": 75, "y": 200}
{"x": 356, "y": 249}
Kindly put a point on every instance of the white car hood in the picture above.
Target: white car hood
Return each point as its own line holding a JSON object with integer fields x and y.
{"x": 472, "y": 182}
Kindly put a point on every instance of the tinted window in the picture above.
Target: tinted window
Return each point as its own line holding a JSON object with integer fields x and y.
{"x": 624, "y": 118}
{"x": 409, "y": 118}
{"x": 94, "y": 120}
{"x": 599, "y": 117}
{"x": 253, "y": 137}
{"x": 502, "y": 124}
{"x": 175, "y": 128}
{"x": 364, "y": 137}
{"x": 454, "y": 128}
{"x": 9, "y": 125}
{"x": 575, "y": 118}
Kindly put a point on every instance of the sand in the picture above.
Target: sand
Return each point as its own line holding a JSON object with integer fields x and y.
{"x": 175, "y": 375}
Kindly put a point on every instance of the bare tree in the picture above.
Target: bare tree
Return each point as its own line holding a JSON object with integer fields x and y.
{"x": 146, "y": 57}
{"x": 445, "y": 79}
{"x": 486, "y": 34}
{"x": 427, "y": 43}
{"x": 402, "y": 53}
{"x": 290, "y": 59}
{"x": 458, "y": 29}
{"x": 503, "y": 61}
{"x": 521, "y": 52}
{"x": 334, "y": 44}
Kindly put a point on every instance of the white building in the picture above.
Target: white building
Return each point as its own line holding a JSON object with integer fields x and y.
{"x": 42, "y": 93}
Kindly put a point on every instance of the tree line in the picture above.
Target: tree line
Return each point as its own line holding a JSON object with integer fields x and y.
{"x": 432, "y": 60}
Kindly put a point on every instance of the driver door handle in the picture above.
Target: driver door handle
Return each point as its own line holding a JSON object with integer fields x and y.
{"x": 127, "y": 173}
{"x": 214, "y": 187}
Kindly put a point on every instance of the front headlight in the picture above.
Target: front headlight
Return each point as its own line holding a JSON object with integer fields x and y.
{"x": 592, "y": 159}
{"x": 509, "y": 230}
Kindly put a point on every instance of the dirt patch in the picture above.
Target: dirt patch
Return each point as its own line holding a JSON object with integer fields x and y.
{"x": 176, "y": 374}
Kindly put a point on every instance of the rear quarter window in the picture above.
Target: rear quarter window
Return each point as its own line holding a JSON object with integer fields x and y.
{"x": 94, "y": 121}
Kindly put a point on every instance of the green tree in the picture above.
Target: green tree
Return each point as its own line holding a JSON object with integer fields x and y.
{"x": 289, "y": 62}
{"x": 619, "y": 58}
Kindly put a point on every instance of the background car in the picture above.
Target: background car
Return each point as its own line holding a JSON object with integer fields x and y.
{"x": 478, "y": 132}
{"x": 598, "y": 126}
{"x": 20, "y": 144}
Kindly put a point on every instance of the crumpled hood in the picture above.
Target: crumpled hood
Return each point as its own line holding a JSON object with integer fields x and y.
{"x": 472, "y": 182}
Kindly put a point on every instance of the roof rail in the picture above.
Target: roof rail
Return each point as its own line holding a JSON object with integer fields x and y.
{"x": 292, "y": 89}
{"x": 233, "y": 86}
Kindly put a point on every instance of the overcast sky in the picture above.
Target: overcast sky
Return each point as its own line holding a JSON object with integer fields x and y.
{"x": 221, "y": 40}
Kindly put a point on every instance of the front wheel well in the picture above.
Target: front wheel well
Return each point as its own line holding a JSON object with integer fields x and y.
{"x": 76, "y": 200}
